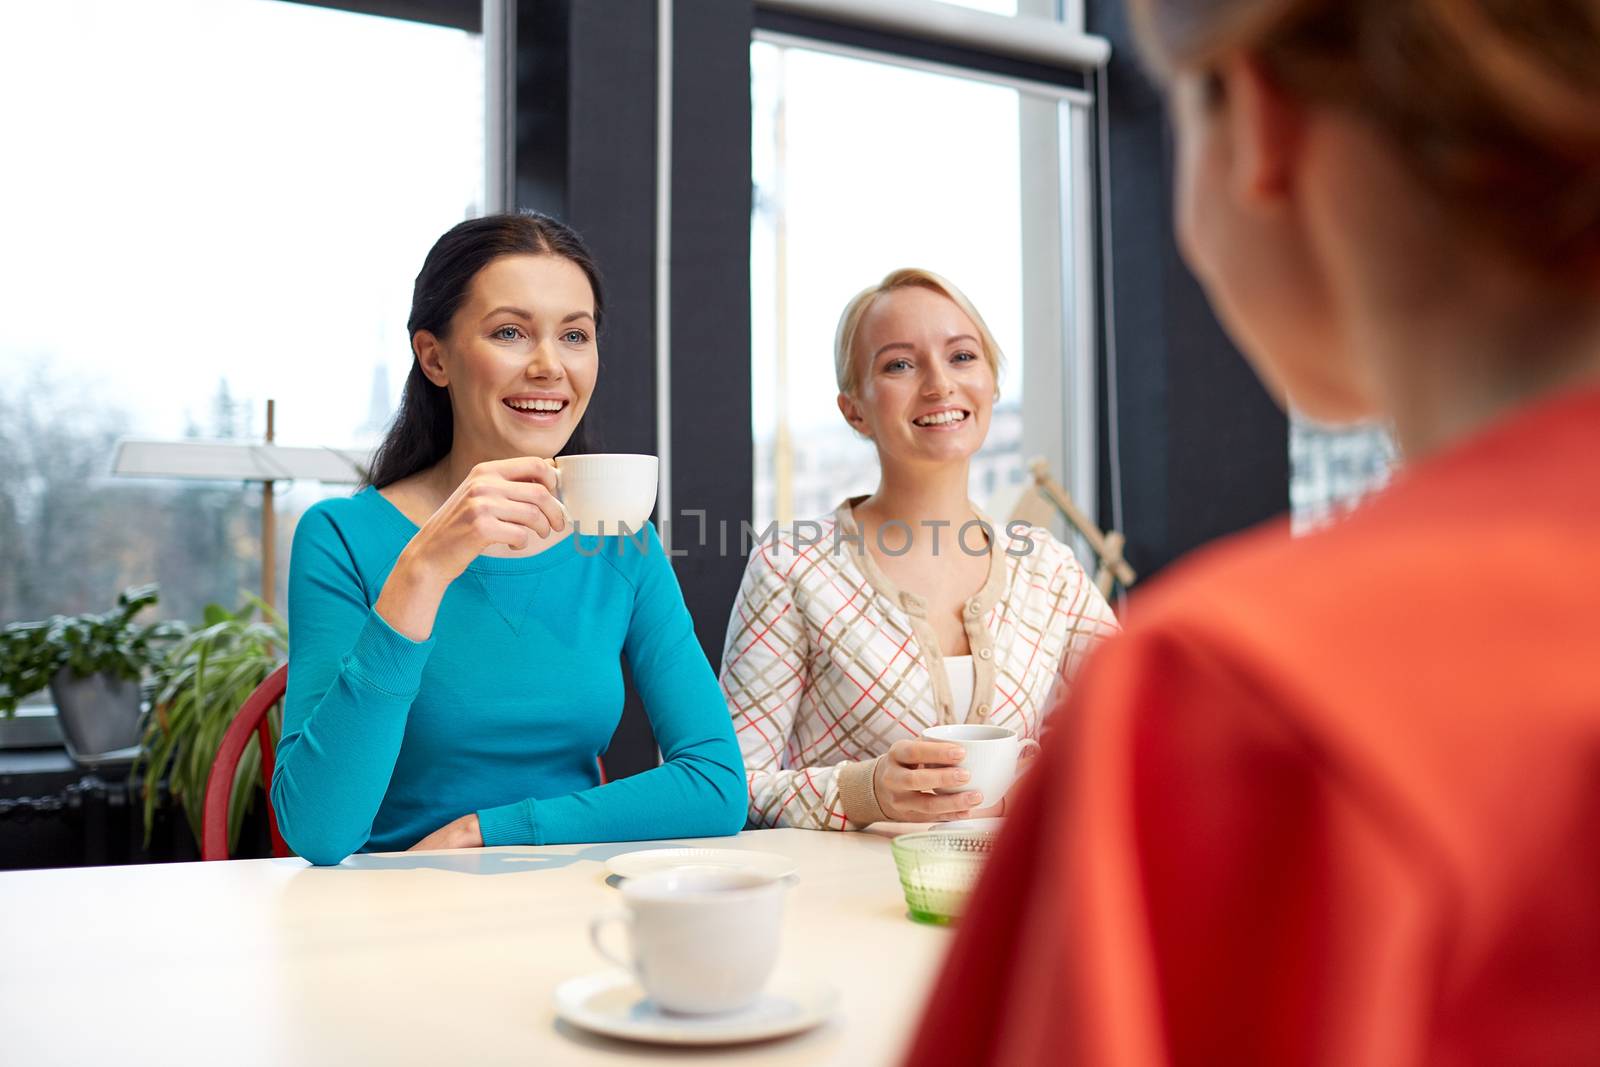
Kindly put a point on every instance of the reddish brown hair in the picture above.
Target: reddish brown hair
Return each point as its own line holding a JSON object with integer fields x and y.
{"x": 1495, "y": 104}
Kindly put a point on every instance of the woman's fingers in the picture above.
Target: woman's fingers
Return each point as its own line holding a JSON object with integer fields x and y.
{"x": 910, "y": 773}
{"x": 920, "y": 780}
{"x": 522, "y": 469}
{"x": 936, "y": 807}
{"x": 514, "y": 535}
{"x": 518, "y": 523}
{"x": 533, "y": 493}
{"x": 552, "y": 511}
{"x": 511, "y": 489}
{"x": 931, "y": 753}
{"x": 523, "y": 503}
{"x": 534, "y": 517}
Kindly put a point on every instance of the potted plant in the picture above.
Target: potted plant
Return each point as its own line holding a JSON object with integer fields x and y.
{"x": 202, "y": 683}
{"x": 93, "y": 666}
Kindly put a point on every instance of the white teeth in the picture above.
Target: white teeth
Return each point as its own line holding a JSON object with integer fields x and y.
{"x": 537, "y": 405}
{"x": 941, "y": 418}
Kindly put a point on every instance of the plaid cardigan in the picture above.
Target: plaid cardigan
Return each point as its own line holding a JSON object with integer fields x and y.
{"x": 827, "y": 663}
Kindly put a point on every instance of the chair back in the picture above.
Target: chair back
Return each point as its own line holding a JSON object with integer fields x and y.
{"x": 251, "y": 719}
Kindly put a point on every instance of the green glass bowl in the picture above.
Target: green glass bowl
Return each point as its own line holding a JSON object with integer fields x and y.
{"x": 938, "y": 869}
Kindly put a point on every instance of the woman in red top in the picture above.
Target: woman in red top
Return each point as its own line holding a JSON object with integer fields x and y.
{"x": 1337, "y": 800}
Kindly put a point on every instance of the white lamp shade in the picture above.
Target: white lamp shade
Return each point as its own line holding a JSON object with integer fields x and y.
{"x": 225, "y": 461}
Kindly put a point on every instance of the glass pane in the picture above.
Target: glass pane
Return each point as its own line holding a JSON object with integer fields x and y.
{"x": 994, "y": 7}
{"x": 844, "y": 194}
{"x": 1046, "y": 9}
{"x": 226, "y": 201}
{"x": 1332, "y": 469}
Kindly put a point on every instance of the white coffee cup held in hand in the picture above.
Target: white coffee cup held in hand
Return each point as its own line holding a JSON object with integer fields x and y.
{"x": 701, "y": 940}
{"x": 991, "y": 758}
{"x": 608, "y": 493}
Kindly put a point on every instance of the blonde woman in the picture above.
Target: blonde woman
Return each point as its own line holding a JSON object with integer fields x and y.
{"x": 905, "y": 609}
{"x": 1337, "y": 800}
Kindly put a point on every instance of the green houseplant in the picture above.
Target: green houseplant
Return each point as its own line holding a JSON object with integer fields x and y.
{"x": 93, "y": 665}
{"x": 201, "y": 685}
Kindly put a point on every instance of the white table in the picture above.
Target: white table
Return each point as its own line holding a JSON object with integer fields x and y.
{"x": 439, "y": 957}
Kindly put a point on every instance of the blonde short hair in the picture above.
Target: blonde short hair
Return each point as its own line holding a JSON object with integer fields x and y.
{"x": 848, "y": 370}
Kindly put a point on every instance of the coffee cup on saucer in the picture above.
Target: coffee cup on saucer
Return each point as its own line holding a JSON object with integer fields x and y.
{"x": 608, "y": 493}
{"x": 700, "y": 940}
{"x": 991, "y": 757}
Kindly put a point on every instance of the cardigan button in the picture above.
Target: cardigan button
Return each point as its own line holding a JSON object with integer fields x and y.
{"x": 986, "y": 653}
{"x": 983, "y": 711}
{"x": 973, "y": 607}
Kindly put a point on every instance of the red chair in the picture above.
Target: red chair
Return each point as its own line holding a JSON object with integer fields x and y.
{"x": 252, "y": 718}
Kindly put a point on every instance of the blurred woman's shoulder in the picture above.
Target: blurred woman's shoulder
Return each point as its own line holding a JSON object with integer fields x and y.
{"x": 1468, "y": 550}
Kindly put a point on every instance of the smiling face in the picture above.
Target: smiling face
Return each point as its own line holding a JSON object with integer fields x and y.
{"x": 519, "y": 360}
{"x": 926, "y": 387}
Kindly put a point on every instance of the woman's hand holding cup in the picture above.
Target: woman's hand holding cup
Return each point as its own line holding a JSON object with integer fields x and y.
{"x": 505, "y": 502}
{"x": 994, "y": 756}
{"x": 906, "y": 775}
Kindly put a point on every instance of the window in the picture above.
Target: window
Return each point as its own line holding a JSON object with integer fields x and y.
{"x": 1070, "y": 11}
{"x": 225, "y": 201}
{"x": 862, "y": 164}
{"x": 1333, "y": 468}
{"x": 994, "y": 7}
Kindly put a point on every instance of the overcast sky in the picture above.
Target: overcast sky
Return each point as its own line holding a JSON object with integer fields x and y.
{"x": 239, "y": 188}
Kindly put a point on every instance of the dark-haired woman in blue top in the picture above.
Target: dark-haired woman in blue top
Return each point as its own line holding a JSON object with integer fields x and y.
{"x": 455, "y": 652}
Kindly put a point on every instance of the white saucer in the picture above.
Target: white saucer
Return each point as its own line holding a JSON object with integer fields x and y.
{"x": 650, "y": 860}
{"x": 992, "y": 825}
{"x": 612, "y": 1003}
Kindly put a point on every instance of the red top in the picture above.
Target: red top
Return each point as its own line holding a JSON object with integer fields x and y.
{"x": 1328, "y": 801}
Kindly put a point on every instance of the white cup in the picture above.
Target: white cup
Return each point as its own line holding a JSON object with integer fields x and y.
{"x": 992, "y": 754}
{"x": 701, "y": 941}
{"x": 608, "y": 493}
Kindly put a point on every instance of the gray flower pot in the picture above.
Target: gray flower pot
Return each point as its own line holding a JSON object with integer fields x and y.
{"x": 99, "y": 713}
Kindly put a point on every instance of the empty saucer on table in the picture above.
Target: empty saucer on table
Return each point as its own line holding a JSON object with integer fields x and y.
{"x": 612, "y": 1003}
{"x": 650, "y": 860}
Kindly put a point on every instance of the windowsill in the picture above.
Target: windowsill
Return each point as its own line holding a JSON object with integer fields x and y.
{"x": 33, "y": 726}
{"x": 19, "y": 768}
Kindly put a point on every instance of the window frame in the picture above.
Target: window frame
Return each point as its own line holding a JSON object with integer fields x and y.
{"x": 1061, "y": 303}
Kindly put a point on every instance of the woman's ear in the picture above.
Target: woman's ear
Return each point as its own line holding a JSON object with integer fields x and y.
{"x": 852, "y": 414}
{"x": 1265, "y": 126}
{"x": 430, "y": 357}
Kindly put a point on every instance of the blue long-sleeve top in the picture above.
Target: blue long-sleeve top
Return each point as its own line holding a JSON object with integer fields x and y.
{"x": 504, "y": 709}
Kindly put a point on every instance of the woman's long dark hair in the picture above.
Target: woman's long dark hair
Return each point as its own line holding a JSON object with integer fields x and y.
{"x": 423, "y": 429}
